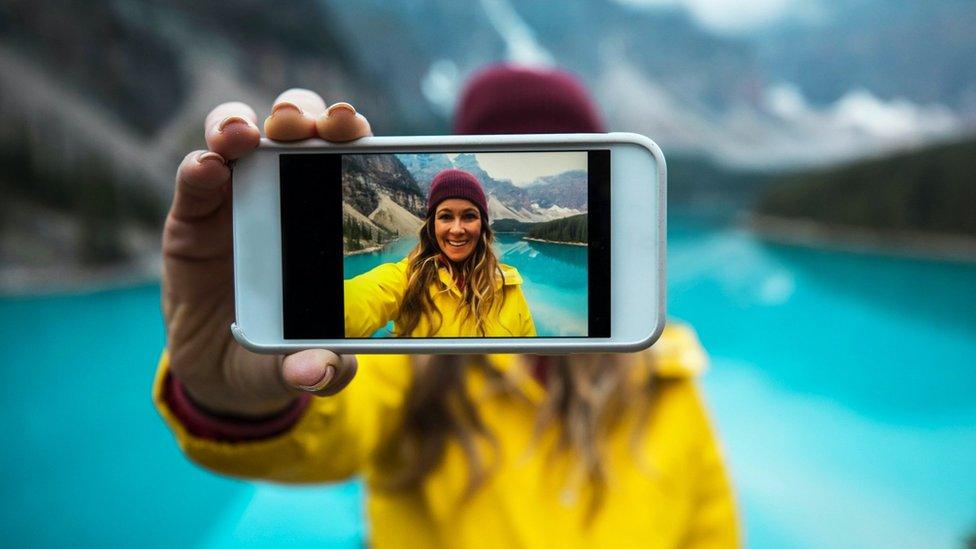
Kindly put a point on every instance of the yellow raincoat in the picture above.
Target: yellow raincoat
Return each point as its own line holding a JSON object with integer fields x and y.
{"x": 676, "y": 495}
{"x": 373, "y": 298}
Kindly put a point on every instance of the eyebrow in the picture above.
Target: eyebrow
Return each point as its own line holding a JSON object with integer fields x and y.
{"x": 464, "y": 211}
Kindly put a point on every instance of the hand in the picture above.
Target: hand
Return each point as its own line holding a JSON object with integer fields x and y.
{"x": 198, "y": 265}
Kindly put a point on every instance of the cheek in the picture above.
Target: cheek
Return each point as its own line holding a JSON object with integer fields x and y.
{"x": 440, "y": 229}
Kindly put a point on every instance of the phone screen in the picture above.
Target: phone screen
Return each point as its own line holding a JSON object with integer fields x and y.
{"x": 508, "y": 244}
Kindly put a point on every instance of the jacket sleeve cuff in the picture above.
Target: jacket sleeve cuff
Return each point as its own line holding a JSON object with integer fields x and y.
{"x": 206, "y": 425}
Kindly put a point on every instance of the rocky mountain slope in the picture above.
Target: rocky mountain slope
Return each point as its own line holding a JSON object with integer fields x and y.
{"x": 566, "y": 190}
{"x": 380, "y": 201}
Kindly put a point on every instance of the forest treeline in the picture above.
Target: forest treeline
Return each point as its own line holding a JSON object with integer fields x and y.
{"x": 567, "y": 229}
{"x": 95, "y": 195}
{"x": 928, "y": 190}
{"x": 357, "y": 235}
{"x": 511, "y": 226}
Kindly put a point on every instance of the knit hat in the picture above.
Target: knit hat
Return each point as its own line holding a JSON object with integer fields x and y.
{"x": 454, "y": 183}
{"x": 507, "y": 98}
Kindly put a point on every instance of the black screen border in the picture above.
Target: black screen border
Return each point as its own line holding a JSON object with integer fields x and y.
{"x": 305, "y": 184}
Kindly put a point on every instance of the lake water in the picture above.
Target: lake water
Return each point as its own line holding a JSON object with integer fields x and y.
{"x": 554, "y": 278}
{"x": 843, "y": 387}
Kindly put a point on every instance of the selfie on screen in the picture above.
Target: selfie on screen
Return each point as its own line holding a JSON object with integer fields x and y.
{"x": 465, "y": 244}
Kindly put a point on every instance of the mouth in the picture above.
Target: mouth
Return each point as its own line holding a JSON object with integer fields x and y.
{"x": 458, "y": 243}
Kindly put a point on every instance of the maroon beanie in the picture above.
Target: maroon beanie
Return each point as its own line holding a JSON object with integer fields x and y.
{"x": 454, "y": 183}
{"x": 506, "y": 98}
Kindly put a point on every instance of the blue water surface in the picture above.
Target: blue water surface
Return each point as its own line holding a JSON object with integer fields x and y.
{"x": 841, "y": 384}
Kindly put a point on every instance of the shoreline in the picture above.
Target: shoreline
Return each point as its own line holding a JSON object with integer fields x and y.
{"x": 364, "y": 250}
{"x": 374, "y": 248}
{"x": 904, "y": 244}
{"x": 20, "y": 281}
{"x": 583, "y": 244}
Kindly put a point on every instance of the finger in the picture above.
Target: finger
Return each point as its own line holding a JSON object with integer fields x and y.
{"x": 318, "y": 371}
{"x": 293, "y": 115}
{"x": 341, "y": 122}
{"x": 231, "y": 130}
{"x": 201, "y": 185}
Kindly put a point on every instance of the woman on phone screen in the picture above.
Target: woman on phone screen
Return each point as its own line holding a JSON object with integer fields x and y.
{"x": 451, "y": 284}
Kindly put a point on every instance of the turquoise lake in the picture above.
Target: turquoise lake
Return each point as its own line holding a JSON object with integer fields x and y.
{"x": 554, "y": 278}
{"x": 842, "y": 385}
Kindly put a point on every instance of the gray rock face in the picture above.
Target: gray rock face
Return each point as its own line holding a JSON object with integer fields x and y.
{"x": 366, "y": 176}
{"x": 381, "y": 201}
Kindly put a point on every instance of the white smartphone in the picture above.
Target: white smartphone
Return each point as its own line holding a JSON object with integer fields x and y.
{"x": 541, "y": 244}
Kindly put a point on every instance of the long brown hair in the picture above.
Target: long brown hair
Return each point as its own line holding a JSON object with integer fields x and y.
{"x": 586, "y": 397}
{"x": 480, "y": 273}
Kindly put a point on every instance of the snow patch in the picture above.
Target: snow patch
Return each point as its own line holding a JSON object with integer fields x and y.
{"x": 862, "y": 112}
{"x": 555, "y": 211}
{"x": 781, "y": 130}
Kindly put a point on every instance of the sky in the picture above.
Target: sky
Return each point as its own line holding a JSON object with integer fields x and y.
{"x": 524, "y": 168}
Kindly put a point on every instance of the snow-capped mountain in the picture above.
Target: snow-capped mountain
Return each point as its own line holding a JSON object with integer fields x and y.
{"x": 546, "y": 198}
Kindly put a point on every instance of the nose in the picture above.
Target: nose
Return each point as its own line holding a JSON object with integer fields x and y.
{"x": 457, "y": 228}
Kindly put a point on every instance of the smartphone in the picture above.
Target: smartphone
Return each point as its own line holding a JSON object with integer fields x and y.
{"x": 541, "y": 244}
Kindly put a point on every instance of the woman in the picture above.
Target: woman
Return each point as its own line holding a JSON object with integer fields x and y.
{"x": 451, "y": 284}
{"x": 490, "y": 451}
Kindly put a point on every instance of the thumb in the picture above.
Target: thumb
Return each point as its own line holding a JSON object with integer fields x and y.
{"x": 318, "y": 371}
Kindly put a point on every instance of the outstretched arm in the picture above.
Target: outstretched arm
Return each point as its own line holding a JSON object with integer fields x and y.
{"x": 373, "y": 298}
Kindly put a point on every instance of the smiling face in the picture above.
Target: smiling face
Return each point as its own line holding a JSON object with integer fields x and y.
{"x": 457, "y": 228}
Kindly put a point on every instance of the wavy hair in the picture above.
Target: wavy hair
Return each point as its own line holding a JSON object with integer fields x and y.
{"x": 587, "y": 396}
{"x": 477, "y": 278}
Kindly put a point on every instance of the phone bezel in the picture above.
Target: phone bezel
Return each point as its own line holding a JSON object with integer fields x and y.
{"x": 635, "y": 323}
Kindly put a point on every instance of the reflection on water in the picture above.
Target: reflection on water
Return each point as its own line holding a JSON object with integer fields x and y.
{"x": 569, "y": 255}
{"x": 554, "y": 278}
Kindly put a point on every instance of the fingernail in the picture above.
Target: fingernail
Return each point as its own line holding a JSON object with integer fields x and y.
{"x": 230, "y": 120}
{"x": 342, "y": 105}
{"x": 210, "y": 155}
{"x": 285, "y": 105}
{"x": 322, "y": 383}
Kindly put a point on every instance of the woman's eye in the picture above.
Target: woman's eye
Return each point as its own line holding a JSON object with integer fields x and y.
{"x": 471, "y": 216}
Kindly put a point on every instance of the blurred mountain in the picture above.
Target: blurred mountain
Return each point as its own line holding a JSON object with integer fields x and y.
{"x": 100, "y": 100}
{"x": 781, "y": 96}
{"x": 118, "y": 88}
{"x": 917, "y": 50}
